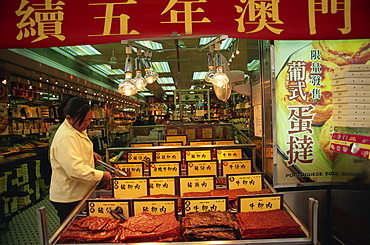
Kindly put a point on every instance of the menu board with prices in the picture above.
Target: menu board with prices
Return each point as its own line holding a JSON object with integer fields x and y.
{"x": 196, "y": 204}
{"x": 196, "y": 168}
{"x": 196, "y": 155}
{"x": 196, "y": 184}
{"x": 134, "y": 169}
{"x": 237, "y": 166}
{"x": 161, "y": 169}
{"x": 129, "y": 187}
{"x": 260, "y": 203}
{"x": 102, "y": 207}
{"x": 224, "y": 154}
{"x": 251, "y": 181}
{"x": 168, "y": 156}
{"x": 155, "y": 206}
{"x": 158, "y": 185}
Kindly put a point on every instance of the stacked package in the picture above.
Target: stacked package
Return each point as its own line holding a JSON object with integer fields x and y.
{"x": 146, "y": 227}
{"x": 209, "y": 226}
{"x": 268, "y": 224}
{"x": 351, "y": 96}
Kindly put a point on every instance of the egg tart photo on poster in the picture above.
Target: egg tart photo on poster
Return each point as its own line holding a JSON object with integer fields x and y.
{"x": 304, "y": 109}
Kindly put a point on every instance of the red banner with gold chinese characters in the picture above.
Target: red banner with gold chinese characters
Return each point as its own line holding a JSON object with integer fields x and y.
{"x": 55, "y": 23}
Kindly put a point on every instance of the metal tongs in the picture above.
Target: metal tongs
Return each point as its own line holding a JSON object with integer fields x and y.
{"x": 118, "y": 213}
{"x": 113, "y": 169}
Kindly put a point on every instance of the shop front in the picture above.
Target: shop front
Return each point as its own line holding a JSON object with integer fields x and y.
{"x": 302, "y": 121}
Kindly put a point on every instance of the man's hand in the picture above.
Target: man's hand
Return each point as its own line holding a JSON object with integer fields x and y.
{"x": 97, "y": 157}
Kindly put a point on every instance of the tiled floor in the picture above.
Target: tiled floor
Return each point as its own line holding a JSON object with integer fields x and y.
{"x": 23, "y": 228}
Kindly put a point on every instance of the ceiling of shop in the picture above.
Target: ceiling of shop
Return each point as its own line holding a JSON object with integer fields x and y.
{"x": 185, "y": 56}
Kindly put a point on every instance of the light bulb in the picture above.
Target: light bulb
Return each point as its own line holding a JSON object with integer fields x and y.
{"x": 138, "y": 80}
{"x": 220, "y": 79}
{"x": 126, "y": 87}
{"x": 210, "y": 75}
{"x": 222, "y": 93}
{"x": 150, "y": 75}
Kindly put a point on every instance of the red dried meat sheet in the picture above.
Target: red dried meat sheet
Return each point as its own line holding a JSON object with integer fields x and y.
{"x": 93, "y": 223}
{"x": 210, "y": 218}
{"x": 272, "y": 223}
{"x": 87, "y": 236}
{"x": 149, "y": 227}
{"x": 197, "y": 194}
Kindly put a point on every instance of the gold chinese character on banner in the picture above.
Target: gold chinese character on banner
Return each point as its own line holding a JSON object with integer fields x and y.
{"x": 41, "y": 20}
{"x": 263, "y": 13}
{"x": 187, "y": 14}
{"x": 109, "y": 18}
{"x": 323, "y": 7}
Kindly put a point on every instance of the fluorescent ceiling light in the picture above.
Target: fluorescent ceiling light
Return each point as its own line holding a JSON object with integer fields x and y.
{"x": 200, "y": 75}
{"x": 146, "y": 94}
{"x": 169, "y": 93}
{"x": 106, "y": 69}
{"x": 161, "y": 67}
{"x": 168, "y": 88}
{"x": 225, "y": 44}
{"x": 165, "y": 80}
{"x": 206, "y": 40}
{"x": 150, "y": 45}
{"x": 82, "y": 50}
{"x": 143, "y": 89}
{"x": 253, "y": 65}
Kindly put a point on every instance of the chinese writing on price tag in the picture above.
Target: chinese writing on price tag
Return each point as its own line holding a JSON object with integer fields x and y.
{"x": 154, "y": 206}
{"x": 160, "y": 169}
{"x": 196, "y": 184}
{"x": 129, "y": 188}
{"x": 198, "y": 155}
{"x": 236, "y": 166}
{"x": 203, "y": 205}
{"x": 162, "y": 186}
{"x": 259, "y": 203}
{"x": 168, "y": 156}
{"x": 101, "y": 208}
{"x": 251, "y": 182}
{"x": 202, "y": 168}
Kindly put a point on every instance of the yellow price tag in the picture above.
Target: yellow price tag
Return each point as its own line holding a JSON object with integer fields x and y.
{"x": 251, "y": 182}
{"x": 224, "y": 142}
{"x": 162, "y": 186}
{"x": 101, "y": 208}
{"x": 160, "y": 169}
{"x": 196, "y": 184}
{"x": 154, "y": 206}
{"x": 195, "y": 143}
{"x": 135, "y": 169}
{"x": 223, "y": 154}
{"x": 198, "y": 155}
{"x": 170, "y": 143}
{"x": 140, "y": 157}
{"x": 176, "y": 138}
{"x": 129, "y": 187}
{"x": 204, "y": 204}
{"x": 240, "y": 166}
{"x": 168, "y": 156}
{"x": 259, "y": 203}
{"x": 195, "y": 168}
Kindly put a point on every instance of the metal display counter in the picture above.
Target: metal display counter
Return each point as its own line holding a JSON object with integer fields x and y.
{"x": 309, "y": 232}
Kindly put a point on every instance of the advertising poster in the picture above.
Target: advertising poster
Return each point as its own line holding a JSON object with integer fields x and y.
{"x": 304, "y": 111}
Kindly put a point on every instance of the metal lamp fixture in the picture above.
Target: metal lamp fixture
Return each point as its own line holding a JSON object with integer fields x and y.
{"x": 150, "y": 75}
{"x": 139, "y": 80}
{"x": 126, "y": 87}
{"x": 211, "y": 66}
